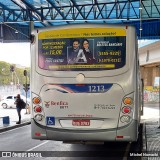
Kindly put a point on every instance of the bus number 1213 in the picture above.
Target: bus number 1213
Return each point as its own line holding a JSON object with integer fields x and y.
{"x": 96, "y": 88}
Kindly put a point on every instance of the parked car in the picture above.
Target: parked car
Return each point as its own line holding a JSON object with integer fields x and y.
{"x": 8, "y": 101}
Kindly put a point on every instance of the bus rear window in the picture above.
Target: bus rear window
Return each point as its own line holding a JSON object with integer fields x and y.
{"x": 78, "y": 49}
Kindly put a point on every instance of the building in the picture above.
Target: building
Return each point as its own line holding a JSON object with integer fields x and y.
{"x": 149, "y": 61}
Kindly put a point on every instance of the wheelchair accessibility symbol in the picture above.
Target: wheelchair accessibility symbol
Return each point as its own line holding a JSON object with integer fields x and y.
{"x": 50, "y": 120}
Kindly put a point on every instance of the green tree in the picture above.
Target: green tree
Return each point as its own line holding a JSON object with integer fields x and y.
{"x": 6, "y": 74}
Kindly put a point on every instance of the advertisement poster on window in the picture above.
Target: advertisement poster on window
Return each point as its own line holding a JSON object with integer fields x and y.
{"x": 82, "y": 49}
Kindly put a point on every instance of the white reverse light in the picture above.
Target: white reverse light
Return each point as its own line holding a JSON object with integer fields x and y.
{"x": 125, "y": 119}
{"x": 38, "y": 117}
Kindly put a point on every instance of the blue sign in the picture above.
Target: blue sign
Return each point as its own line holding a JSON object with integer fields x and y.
{"x": 50, "y": 120}
{"x": 84, "y": 88}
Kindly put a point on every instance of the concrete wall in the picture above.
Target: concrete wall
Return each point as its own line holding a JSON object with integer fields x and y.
{"x": 148, "y": 74}
{"x": 151, "y": 94}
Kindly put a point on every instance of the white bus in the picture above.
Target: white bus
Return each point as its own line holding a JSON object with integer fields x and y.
{"x": 82, "y": 94}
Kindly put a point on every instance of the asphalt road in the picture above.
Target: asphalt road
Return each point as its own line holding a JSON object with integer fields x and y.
{"x": 19, "y": 141}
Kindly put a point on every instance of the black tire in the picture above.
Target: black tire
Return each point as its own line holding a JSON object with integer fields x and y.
{"x": 4, "y": 105}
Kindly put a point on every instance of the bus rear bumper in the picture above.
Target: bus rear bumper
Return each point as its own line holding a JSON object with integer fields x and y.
{"x": 128, "y": 134}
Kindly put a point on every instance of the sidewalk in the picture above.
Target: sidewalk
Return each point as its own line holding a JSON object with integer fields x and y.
{"x": 151, "y": 131}
{"x": 13, "y": 118}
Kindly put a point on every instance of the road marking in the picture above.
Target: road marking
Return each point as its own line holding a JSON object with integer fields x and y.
{"x": 37, "y": 146}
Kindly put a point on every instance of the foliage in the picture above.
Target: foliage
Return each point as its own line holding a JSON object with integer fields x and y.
{"x": 6, "y": 76}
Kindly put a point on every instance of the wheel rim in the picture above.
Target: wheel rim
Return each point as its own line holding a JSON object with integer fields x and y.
{"x": 4, "y": 105}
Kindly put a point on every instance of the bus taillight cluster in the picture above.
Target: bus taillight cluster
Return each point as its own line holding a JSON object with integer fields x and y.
{"x": 126, "y": 110}
{"x": 37, "y": 108}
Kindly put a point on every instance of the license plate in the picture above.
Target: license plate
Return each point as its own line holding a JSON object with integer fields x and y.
{"x": 81, "y": 122}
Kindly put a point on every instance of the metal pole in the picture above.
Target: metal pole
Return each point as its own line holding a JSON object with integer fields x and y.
{"x": 140, "y": 21}
{"x": 16, "y": 77}
{"x": 159, "y": 95}
{"x": 26, "y": 94}
{"x": 12, "y": 83}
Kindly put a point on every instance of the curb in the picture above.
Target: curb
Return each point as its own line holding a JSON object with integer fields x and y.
{"x": 144, "y": 137}
{"x": 14, "y": 126}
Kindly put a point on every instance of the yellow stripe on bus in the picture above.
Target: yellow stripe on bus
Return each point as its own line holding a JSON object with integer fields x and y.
{"x": 83, "y": 66}
{"x": 82, "y": 33}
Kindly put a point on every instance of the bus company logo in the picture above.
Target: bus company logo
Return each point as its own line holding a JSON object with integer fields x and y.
{"x": 47, "y": 104}
{"x": 54, "y": 103}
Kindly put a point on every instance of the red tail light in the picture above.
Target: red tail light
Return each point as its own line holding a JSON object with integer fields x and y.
{"x": 37, "y": 109}
{"x": 37, "y": 134}
{"x": 126, "y": 110}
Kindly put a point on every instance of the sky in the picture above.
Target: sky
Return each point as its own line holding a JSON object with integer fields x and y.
{"x": 142, "y": 43}
{"x": 15, "y": 53}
